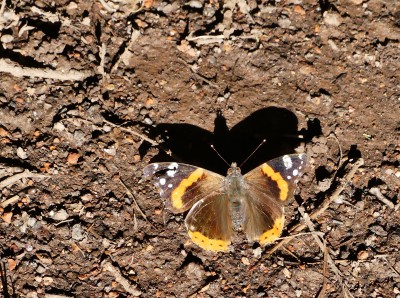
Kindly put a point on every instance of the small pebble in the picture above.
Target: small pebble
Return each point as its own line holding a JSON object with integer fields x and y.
{"x": 362, "y": 255}
{"x": 195, "y": 4}
{"x": 47, "y": 280}
{"x": 40, "y": 269}
{"x": 87, "y": 197}
{"x": 6, "y": 38}
{"x": 77, "y": 232}
{"x": 246, "y": 261}
{"x": 378, "y": 230}
{"x": 59, "y": 215}
{"x": 79, "y": 137}
{"x": 73, "y": 158}
{"x": 287, "y": 273}
{"x": 21, "y": 153}
{"x": 194, "y": 270}
{"x": 110, "y": 151}
{"x": 257, "y": 252}
{"x": 332, "y": 19}
{"x": 148, "y": 121}
{"x": 59, "y": 126}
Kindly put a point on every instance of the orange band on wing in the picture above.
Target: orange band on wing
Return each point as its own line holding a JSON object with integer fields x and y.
{"x": 276, "y": 176}
{"x": 207, "y": 243}
{"x": 178, "y": 192}
{"x": 274, "y": 233}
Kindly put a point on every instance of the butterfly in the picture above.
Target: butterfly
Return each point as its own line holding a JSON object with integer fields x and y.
{"x": 218, "y": 206}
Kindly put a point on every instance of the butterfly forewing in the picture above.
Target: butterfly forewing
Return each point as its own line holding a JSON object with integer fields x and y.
{"x": 278, "y": 177}
{"x": 181, "y": 184}
{"x": 270, "y": 186}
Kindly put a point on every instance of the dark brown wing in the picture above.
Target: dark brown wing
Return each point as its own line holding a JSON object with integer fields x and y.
{"x": 271, "y": 185}
{"x": 181, "y": 184}
{"x": 209, "y": 224}
{"x": 263, "y": 217}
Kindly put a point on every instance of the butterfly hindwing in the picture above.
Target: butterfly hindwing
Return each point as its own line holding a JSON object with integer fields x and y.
{"x": 263, "y": 219}
{"x": 209, "y": 224}
{"x": 182, "y": 184}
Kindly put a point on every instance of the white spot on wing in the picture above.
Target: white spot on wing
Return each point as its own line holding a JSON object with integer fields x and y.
{"x": 162, "y": 181}
{"x": 173, "y": 165}
{"x": 171, "y": 173}
{"x": 287, "y": 161}
{"x": 295, "y": 172}
{"x": 155, "y": 166}
{"x": 170, "y": 185}
{"x": 289, "y": 177}
{"x": 301, "y": 158}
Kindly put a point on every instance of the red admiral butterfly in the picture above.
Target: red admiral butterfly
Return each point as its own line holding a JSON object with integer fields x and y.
{"x": 253, "y": 203}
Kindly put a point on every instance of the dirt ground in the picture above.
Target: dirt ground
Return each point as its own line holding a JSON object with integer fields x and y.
{"x": 87, "y": 88}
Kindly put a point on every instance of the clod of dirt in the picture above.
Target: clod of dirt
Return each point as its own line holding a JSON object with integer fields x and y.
{"x": 195, "y": 271}
{"x": 77, "y": 233}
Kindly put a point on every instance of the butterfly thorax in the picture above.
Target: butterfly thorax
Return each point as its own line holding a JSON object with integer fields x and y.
{"x": 235, "y": 188}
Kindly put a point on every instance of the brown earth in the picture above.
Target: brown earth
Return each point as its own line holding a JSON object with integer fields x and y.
{"x": 191, "y": 74}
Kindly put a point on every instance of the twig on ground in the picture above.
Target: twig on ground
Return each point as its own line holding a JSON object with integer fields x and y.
{"x": 102, "y": 55}
{"x": 206, "y": 39}
{"x": 120, "y": 279}
{"x": 341, "y": 159}
{"x": 125, "y": 55}
{"x": 322, "y": 208}
{"x": 107, "y": 7}
{"x": 377, "y": 193}
{"x": 3, "y": 278}
{"x": 142, "y": 3}
{"x": 203, "y": 289}
{"x": 322, "y": 292}
{"x": 91, "y": 231}
{"x": 131, "y": 196}
{"x": 2, "y": 8}
{"x": 55, "y": 296}
{"x": 200, "y": 77}
{"x": 9, "y": 201}
{"x": 25, "y": 174}
{"x": 322, "y": 246}
{"x": 63, "y": 222}
{"x": 135, "y": 133}
{"x": 18, "y": 71}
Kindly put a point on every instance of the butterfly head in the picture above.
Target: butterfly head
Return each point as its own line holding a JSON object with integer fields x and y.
{"x": 234, "y": 170}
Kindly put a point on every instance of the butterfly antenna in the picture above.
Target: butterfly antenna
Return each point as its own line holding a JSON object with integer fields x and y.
{"x": 213, "y": 148}
{"x": 254, "y": 151}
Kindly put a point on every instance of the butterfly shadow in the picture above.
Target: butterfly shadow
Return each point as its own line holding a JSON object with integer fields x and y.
{"x": 192, "y": 144}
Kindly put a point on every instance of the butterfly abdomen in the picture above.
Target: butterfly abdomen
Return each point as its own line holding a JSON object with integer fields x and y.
{"x": 236, "y": 214}
{"x": 235, "y": 188}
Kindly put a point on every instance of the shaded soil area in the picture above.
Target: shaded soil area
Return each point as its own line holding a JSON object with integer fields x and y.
{"x": 88, "y": 89}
